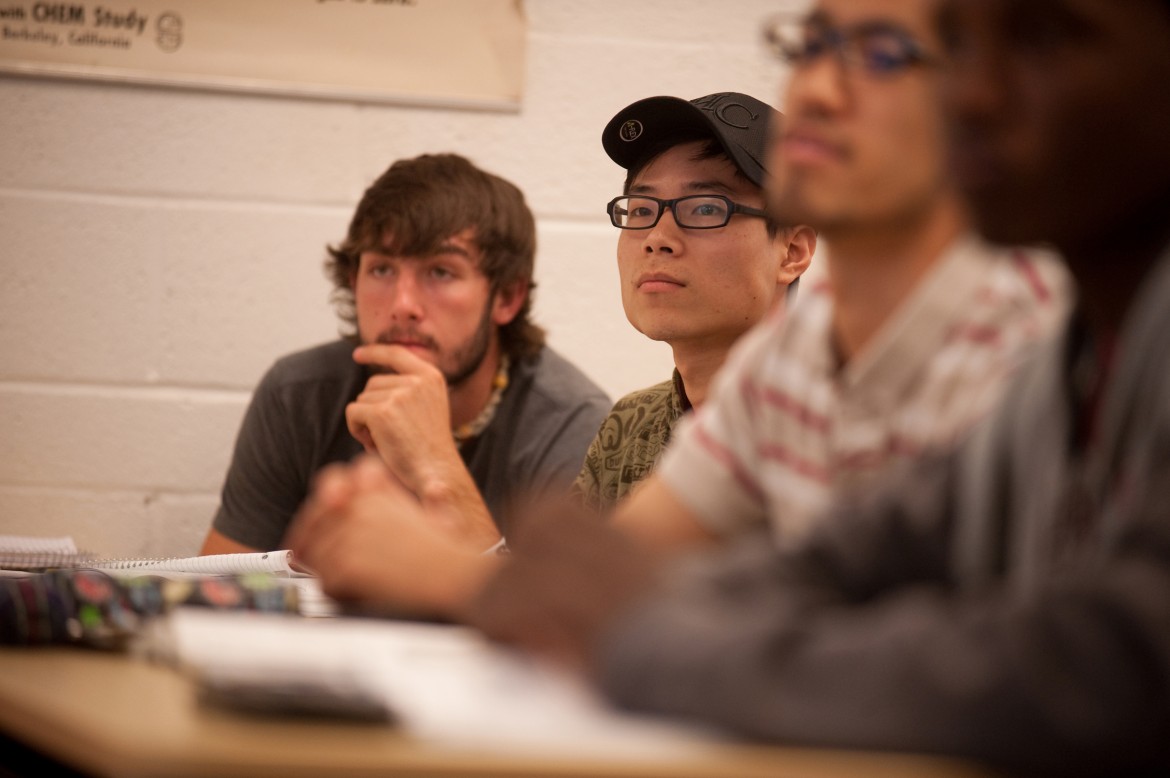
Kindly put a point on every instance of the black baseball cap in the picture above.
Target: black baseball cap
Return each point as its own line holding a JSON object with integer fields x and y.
{"x": 739, "y": 122}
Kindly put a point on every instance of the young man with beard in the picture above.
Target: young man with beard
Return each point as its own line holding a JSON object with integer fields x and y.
{"x": 450, "y": 383}
{"x": 1008, "y": 600}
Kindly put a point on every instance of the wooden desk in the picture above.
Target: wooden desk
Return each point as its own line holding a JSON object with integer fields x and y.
{"x": 112, "y": 715}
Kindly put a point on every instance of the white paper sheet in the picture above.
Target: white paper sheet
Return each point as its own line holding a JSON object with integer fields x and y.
{"x": 444, "y": 683}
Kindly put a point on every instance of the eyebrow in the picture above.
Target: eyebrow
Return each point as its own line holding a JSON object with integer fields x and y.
{"x": 869, "y": 25}
{"x": 696, "y": 187}
{"x": 446, "y": 247}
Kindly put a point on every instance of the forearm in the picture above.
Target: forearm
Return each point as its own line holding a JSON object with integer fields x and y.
{"x": 218, "y": 543}
{"x": 653, "y": 514}
{"x": 1071, "y": 682}
{"x": 449, "y": 591}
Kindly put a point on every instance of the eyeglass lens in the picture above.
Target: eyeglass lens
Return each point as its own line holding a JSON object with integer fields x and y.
{"x": 697, "y": 211}
{"x": 877, "y": 48}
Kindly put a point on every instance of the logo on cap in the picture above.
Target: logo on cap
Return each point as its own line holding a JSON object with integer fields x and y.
{"x": 631, "y": 129}
{"x": 722, "y": 107}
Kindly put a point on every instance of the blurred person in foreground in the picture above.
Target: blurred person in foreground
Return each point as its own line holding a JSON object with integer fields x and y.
{"x": 1009, "y": 600}
{"x": 914, "y": 330}
{"x": 444, "y": 376}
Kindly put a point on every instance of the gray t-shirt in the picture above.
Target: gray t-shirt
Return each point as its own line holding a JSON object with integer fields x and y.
{"x": 295, "y": 424}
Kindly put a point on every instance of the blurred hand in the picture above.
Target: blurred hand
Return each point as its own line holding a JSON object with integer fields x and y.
{"x": 370, "y": 541}
{"x": 569, "y": 576}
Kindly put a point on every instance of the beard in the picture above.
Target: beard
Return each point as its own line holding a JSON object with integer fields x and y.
{"x": 463, "y": 361}
{"x": 467, "y": 359}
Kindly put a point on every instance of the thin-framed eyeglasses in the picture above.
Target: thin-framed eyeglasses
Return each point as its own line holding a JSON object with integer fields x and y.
{"x": 695, "y": 212}
{"x": 877, "y": 47}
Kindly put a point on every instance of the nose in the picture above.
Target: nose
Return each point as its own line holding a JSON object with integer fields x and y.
{"x": 406, "y": 297}
{"x": 665, "y": 237}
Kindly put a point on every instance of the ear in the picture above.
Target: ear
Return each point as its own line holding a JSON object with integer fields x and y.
{"x": 799, "y": 245}
{"x": 508, "y": 302}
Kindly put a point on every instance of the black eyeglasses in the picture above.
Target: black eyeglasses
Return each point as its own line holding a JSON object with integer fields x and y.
{"x": 877, "y": 47}
{"x": 695, "y": 212}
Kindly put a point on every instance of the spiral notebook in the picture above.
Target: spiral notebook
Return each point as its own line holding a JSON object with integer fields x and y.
{"x": 18, "y": 552}
{"x": 274, "y": 562}
{"x": 22, "y": 555}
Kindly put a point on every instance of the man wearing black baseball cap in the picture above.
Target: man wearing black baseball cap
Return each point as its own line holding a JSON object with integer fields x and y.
{"x": 700, "y": 262}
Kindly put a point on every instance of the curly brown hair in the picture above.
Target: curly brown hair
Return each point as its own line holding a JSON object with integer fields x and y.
{"x": 421, "y": 202}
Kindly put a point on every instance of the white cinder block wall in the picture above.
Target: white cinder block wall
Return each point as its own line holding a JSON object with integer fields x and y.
{"x": 162, "y": 247}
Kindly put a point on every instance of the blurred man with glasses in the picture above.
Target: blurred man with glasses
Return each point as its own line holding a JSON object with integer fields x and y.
{"x": 700, "y": 262}
{"x": 1007, "y": 600}
{"x": 908, "y": 340}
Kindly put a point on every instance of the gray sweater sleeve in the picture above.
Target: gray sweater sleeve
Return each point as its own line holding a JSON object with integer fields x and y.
{"x": 862, "y": 639}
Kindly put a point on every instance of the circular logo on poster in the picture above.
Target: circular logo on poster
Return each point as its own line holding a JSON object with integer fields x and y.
{"x": 170, "y": 31}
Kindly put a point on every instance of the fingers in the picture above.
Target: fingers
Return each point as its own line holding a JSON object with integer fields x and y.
{"x": 356, "y": 419}
{"x": 398, "y": 359}
{"x": 370, "y": 474}
{"x": 332, "y": 490}
{"x": 326, "y": 535}
{"x": 389, "y": 403}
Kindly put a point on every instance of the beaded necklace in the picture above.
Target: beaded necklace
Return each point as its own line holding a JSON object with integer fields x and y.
{"x": 467, "y": 431}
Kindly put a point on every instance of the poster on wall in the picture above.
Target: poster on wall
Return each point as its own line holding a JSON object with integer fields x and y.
{"x": 460, "y": 53}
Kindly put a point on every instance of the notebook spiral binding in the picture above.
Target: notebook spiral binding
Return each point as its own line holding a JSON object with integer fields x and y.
{"x": 277, "y": 562}
{"x": 45, "y": 560}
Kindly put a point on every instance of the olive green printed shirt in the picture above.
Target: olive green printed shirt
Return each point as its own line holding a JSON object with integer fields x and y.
{"x": 629, "y": 443}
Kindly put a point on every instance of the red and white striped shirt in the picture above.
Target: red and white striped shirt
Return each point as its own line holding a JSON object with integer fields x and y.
{"x": 786, "y": 425}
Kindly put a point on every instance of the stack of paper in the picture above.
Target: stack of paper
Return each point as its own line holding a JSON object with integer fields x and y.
{"x": 439, "y": 682}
